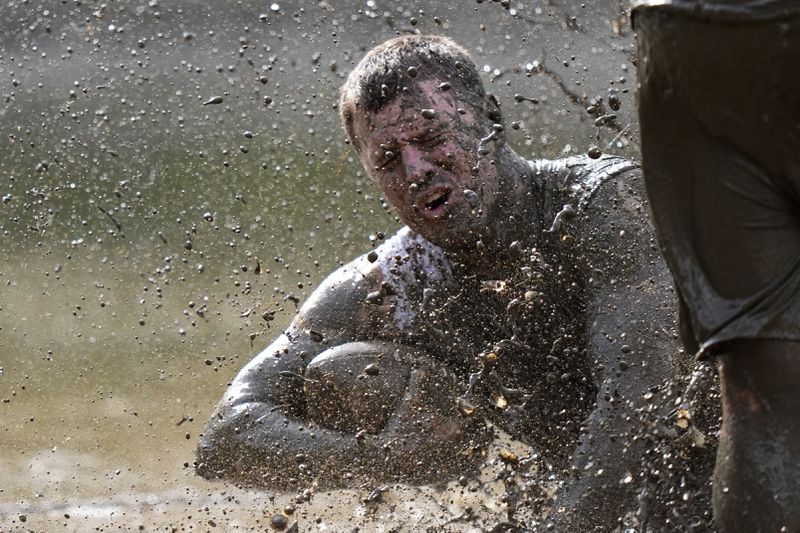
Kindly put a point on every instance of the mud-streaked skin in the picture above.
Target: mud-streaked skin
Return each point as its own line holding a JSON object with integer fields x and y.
{"x": 476, "y": 270}
{"x": 416, "y": 160}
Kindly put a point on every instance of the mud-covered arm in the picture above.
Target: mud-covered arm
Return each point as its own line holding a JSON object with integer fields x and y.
{"x": 633, "y": 349}
{"x": 262, "y": 432}
{"x": 259, "y": 434}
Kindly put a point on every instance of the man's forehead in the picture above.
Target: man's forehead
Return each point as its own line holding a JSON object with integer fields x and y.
{"x": 414, "y": 104}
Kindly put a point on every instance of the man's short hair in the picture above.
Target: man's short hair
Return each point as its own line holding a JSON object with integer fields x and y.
{"x": 390, "y": 67}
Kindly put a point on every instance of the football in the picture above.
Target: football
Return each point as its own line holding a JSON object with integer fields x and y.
{"x": 357, "y": 386}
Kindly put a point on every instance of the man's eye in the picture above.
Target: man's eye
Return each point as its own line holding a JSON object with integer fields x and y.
{"x": 387, "y": 157}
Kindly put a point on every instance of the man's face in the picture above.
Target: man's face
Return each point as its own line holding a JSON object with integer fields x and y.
{"x": 422, "y": 151}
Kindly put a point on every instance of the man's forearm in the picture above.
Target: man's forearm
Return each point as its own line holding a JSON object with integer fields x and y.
{"x": 258, "y": 445}
{"x": 632, "y": 346}
{"x": 605, "y": 479}
{"x": 255, "y": 439}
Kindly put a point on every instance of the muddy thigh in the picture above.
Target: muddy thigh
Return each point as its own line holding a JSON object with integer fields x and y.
{"x": 724, "y": 190}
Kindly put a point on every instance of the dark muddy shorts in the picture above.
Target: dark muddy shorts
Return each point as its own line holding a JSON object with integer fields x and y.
{"x": 719, "y": 104}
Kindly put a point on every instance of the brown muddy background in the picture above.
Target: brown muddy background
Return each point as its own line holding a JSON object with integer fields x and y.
{"x": 144, "y": 236}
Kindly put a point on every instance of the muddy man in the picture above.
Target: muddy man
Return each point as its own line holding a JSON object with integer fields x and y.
{"x": 530, "y": 293}
{"x": 720, "y": 124}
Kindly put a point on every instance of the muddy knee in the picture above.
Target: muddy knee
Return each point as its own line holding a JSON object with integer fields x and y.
{"x": 757, "y": 477}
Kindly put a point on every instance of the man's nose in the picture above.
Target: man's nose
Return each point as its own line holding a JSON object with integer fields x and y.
{"x": 419, "y": 166}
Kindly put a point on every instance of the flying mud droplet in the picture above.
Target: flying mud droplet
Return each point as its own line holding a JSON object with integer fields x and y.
{"x": 508, "y": 457}
{"x": 568, "y": 211}
{"x": 614, "y": 102}
{"x": 213, "y": 100}
{"x": 471, "y": 197}
{"x": 605, "y": 119}
{"x": 278, "y": 522}
{"x": 465, "y": 407}
{"x": 493, "y": 136}
{"x": 428, "y": 114}
{"x": 594, "y": 152}
{"x": 522, "y": 98}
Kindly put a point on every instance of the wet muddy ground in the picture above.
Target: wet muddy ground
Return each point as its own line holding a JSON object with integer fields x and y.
{"x": 63, "y": 489}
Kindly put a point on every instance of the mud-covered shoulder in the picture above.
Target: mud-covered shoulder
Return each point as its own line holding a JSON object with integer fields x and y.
{"x": 615, "y": 232}
{"x": 378, "y": 295}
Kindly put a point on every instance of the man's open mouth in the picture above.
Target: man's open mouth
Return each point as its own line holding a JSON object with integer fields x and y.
{"x": 432, "y": 204}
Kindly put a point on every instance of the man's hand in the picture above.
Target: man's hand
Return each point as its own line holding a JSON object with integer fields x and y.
{"x": 428, "y": 438}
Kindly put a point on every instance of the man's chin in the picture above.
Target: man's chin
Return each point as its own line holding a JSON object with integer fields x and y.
{"x": 456, "y": 238}
{"x": 458, "y": 228}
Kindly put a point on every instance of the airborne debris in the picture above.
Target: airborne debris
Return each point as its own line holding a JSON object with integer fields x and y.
{"x": 278, "y": 522}
{"x": 522, "y": 98}
{"x": 428, "y": 114}
{"x": 508, "y": 457}
{"x": 493, "y": 136}
{"x": 605, "y": 119}
{"x": 614, "y": 102}
{"x": 471, "y": 197}
{"x": 213, "y": 100}
{"x": 376, "y": 495}
{"x": 253, "y": 336}
{"x": 568, "y": 211}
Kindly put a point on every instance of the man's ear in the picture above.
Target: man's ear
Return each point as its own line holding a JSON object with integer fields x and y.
{"x": 491, "y": 108}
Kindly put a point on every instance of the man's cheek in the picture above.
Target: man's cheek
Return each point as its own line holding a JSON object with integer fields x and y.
{"x": 448, "y": 164}
{"x": 467, "y": 146}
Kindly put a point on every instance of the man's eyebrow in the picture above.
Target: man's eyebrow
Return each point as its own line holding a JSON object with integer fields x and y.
{"x": 424, "y": 133}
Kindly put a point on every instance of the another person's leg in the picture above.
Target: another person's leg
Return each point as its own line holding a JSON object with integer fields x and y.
{"x": 757, "y": 476}
{"x": 719, "y": 104}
